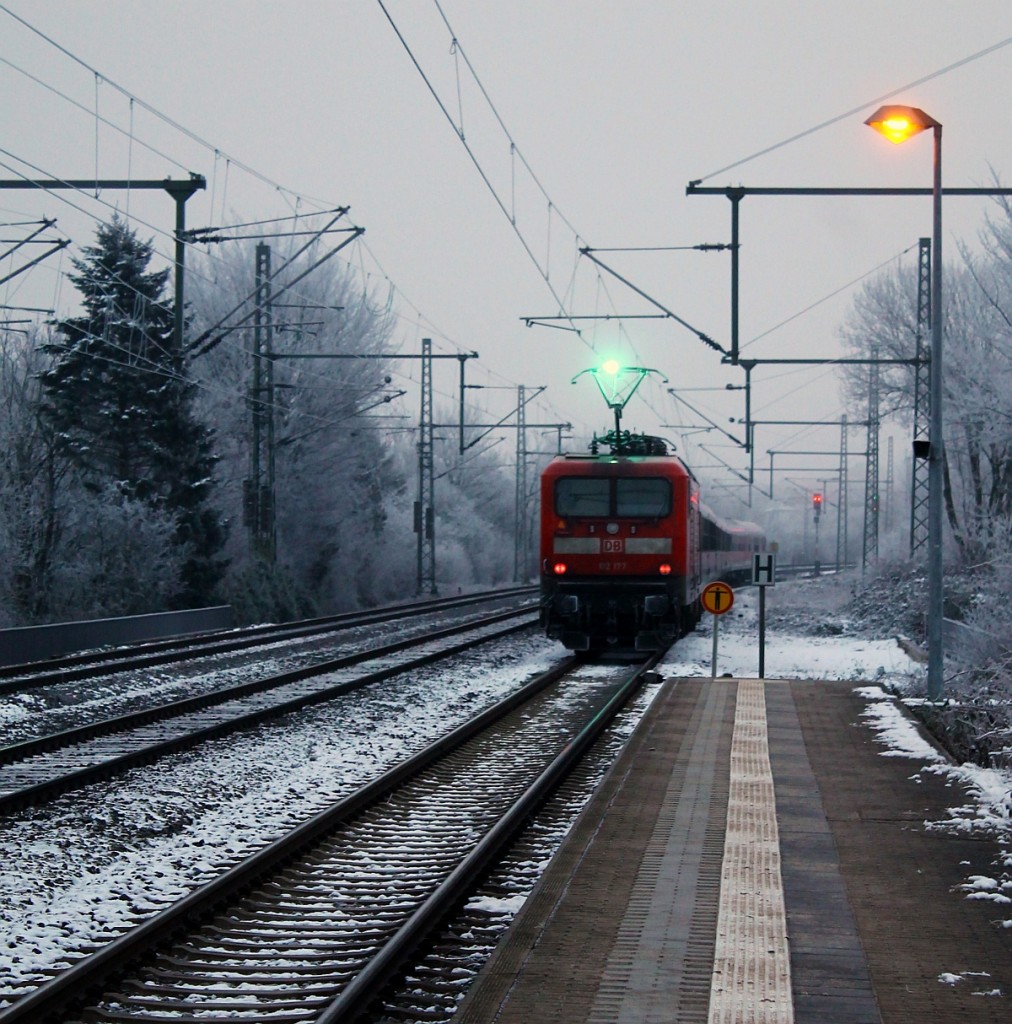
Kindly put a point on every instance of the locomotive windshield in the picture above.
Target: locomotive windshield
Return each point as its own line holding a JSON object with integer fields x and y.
{"x": 583, "y": 496}
{"x": 643, "y": 497}
{"x": 628, "y": 497}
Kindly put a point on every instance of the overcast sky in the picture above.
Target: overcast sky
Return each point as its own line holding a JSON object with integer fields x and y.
{"x": 615, "y": 107}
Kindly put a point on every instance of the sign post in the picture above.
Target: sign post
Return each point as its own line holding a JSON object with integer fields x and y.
{"x": 764, "y": 574}
{"x": 716, "y": 598}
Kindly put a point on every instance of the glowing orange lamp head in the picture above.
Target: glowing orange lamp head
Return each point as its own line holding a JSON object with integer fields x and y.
{"x": 898, "y": 124}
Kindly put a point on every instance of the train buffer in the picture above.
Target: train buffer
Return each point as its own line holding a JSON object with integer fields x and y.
{"x": 753, "y": 856}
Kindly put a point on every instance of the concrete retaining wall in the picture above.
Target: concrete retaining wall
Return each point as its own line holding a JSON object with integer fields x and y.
{"x": 37, "y": 643}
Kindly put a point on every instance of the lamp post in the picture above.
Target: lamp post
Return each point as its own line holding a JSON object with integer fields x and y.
{"x": 897, "y": 124}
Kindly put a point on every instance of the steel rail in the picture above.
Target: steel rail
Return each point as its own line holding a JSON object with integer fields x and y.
{"x": 68, "y": 990}
{"x": 148, "y": 655}
{"x": 386, "y": 966}
{"x": 31, "y": 795}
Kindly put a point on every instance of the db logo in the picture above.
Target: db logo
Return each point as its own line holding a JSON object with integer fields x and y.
{"x": 614, "y": 546}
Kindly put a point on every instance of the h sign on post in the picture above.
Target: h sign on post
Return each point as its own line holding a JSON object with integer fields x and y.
{"x": 764, "y": 574}
{"x": 764, "y": 569}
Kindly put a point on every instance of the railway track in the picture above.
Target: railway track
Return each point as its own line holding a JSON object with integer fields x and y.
{"x": 317, "y": 925}
{"x": 40, "y": 769}
{"x": 89, "y": 664}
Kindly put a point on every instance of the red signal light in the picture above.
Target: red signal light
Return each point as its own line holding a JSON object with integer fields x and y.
{"x": 559, "y": 568}
{"x": 816, "y": 500}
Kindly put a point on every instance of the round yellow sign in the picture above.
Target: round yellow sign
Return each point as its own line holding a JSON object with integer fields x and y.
{"x": 717, "y": 598}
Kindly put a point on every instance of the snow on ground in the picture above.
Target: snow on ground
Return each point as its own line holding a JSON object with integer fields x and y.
{"x": 92, "y": 863}
{"x": 95, "y": 861}
{"x": 789, "y": 654}
{"x": 988, "y": 812}
{"x": 894, "y": 729}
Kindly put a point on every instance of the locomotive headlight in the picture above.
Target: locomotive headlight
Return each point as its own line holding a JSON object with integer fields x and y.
{"x": 664, "y": 569}
{"x": 559, "y": 568}
{"x": 612, "y": 528}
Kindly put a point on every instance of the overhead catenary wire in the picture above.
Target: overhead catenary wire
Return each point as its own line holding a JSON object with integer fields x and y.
{"x": 161, "y": 370}
{"x": 514, "y": 149}
{"x": 258, "y": 223}
{"x": 100, "y": 77}
{"x": 158, "y": 230}
{"x": 500, "y": 202}
{"x": 292, "y": 196}
{"x": 553, "y": 209}
{"x": 219, "y": 154}
{"x": 856, "y": 110}
{"x": 63, "y": 197}
{"x": 205, "y": 341}
{"x": 830, "y": 295}
{"x": 436, "y": 331}
{"x": 154, "y": 111}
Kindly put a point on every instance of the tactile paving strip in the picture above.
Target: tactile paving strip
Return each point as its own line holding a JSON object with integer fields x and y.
{"x": 751, "y": 970}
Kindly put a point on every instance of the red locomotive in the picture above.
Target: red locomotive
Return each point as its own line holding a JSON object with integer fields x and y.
{"x": 626, "y": 546}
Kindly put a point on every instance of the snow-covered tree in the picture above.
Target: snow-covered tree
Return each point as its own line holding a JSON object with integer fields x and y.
{"x": 119, "y": 402}
{"x": 977, "y": 381}
{"x": 346, "y": 457}
{"x": 69, "y": 548}
{"x": 334, "y": 474}
{"x": 31, "y": 475}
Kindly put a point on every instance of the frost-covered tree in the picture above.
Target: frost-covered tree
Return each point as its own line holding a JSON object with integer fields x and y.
{"x": 31, "y": 477}
{"x": 476, "y": 508}
{"x": 119, "y": 402}
{"x": 335, "y": 476}
{"x": 69, "y": 549}
{"x": 993, "y": 277}
{"x": 977, "y": 380}
{"x": 346, "y": 456}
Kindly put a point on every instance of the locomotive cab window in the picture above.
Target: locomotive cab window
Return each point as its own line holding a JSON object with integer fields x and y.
{"x": 642, "y": 498}
{"x": 628, "y": 497}
{"x": 582, "y": 496}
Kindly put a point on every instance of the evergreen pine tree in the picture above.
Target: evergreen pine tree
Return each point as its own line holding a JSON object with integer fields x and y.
{"x": 121, "y": 404}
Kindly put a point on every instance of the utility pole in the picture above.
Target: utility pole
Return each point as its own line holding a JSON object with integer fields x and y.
{"x": 424, "y": 507}
{"x": 817, "y": 499}
{"x": 259, "y": 490}
{"x": 520, "y": 539}
{"x": 843, "y": 504}
{"x": 887, "y": 491}
{"x": 425, "y": 516}
{"x": 826, "y": 502}
{"x": 804, "y": 542}
{"x": 919, "y": 488}
{"x": 871, "y": 469}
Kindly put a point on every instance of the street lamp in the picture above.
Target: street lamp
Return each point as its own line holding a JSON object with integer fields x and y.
{"x": 897, "y": 124}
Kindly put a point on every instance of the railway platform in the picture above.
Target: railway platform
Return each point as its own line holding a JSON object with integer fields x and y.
{"x": 752, "y": 857}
